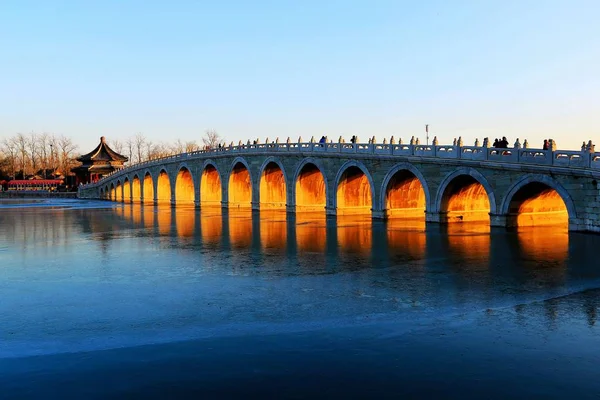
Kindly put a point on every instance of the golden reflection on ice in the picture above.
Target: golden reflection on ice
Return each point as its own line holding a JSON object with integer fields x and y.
{"x": 211, "y": 224}
{"x": 240, "y": 227}
{"x": 184, "y": 222}
{"x": 471, "y": 241}
{"x": 354, "y": 233}
{"x": 544, "y": 243}
{"x": 311, "y": 232}
{"x": 163, "y": 217}
{"x": 407, "y": 236}
{"x": 273, "y": 229}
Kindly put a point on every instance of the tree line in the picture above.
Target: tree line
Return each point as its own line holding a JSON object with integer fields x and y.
{"x": 47, "y": 155}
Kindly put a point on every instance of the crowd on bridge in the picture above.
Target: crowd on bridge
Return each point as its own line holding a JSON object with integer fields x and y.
{"x": 549, "y": 144}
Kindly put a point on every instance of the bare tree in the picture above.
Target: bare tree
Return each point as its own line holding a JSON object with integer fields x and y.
{"x": 178, "y": 147}
{"x": 130, "y": 146}
{"x": 32, "y": 145}
{"x": 66, "y": 149}
{"x": 11, "y": 152}
{"x": 211, "y": 138}
{"x": 21, "y": 143}
{"x": 43, "y": 144}
{"x": 191, "y": 146}
{"x": 117, "y": 146}
{"x": 140, "y": 141}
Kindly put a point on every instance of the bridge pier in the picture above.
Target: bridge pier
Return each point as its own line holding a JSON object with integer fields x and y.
{"x": 379, "y": 214}
{"x": 502, "y": 221}
{"x": 330, "y": 211}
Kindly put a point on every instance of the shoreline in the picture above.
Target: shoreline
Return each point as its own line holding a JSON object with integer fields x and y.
{"x": 38, "y": 195}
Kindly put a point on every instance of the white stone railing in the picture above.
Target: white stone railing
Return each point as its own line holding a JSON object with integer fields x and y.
{"x": 558, "y": 158}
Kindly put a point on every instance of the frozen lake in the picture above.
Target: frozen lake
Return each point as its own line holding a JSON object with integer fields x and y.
{"x": 99, "y": 299}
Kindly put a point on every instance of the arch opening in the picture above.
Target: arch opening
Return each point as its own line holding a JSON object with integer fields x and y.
{"x": 101, "y": 193}
{"x": 354, "y": 192}
{"x": 119, "y": 192}
{"x": 136, "y": 189}
{"x": 210, "y": 187}
{"x": 465, "y": 199}
{"x": 537, "y": 204}
{"x": 272, "y": 187}
{"x": 126, "y": 191}
{"x": 310, "y": 189}
{"x": 113, "y": 193}
{"x": 405, "y": 196}
{"x": 163, "y": 188}
{"x": 148, "y": 189}
{"x": 184, "y": 187}
{"x": 240, "y": 187}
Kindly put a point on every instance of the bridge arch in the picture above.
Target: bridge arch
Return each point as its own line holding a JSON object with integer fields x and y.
{"x": 136, "y": 188}
{"x": 537, "y": 199}
{"x": 184, "y": 186}
{"x": 163, "y": 187}
{"x": 465, "y": 195}
{"x": 310, "y": 188}
{"x": 354, "y": 189}
{"x": 113, "y": 192}
{"x": 126, "y": 190}
{"x": 211, "y": 188}
{"x": 273, "y": 184}
{"x": 239, "y": 186}
{"x": 102, "y": 193}
{"x": 148, "y": 188}
{"x": 119, "y": 191}
{"x": 405, "y": 192}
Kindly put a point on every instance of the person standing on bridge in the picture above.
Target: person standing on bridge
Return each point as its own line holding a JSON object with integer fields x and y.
{"x": 546, "y": 145}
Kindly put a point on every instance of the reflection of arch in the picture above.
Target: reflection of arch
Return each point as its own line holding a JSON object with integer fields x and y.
{"x": 392, "y": 175}
{"x": 126, "y": 190}
{"x": 273, "y": 188}
{"x": 148, "y": 188}
{"x": 309, "y": 188}
{"x": 163, "y": 187}
{"x": 532, "y": 186}
{"x": 240, "y": 183}
{"x": 350, "y": 190}
{"x": 470, "y": 175}
{"x": 184, "y": 186}
{"x": 136, "y": 188}
{"x": 210, "y": 184}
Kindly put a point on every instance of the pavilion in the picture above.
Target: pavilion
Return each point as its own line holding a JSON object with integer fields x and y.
{"x": 97, "y": 163}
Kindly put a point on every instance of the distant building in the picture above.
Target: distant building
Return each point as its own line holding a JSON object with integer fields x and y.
{"x": 97, "y": 163}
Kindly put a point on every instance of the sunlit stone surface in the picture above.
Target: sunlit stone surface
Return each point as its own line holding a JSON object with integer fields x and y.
{"x": 194, "y": 299}
{"x": 354, "y": 193}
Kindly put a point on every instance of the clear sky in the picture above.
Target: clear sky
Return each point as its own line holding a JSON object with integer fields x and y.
{"x": 171, "y": 69}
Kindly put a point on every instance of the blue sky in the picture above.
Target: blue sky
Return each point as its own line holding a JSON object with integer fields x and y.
{"x": 527, "y": 69}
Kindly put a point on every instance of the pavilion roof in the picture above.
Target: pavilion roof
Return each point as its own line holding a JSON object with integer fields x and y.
{"x": 102, "y": 153}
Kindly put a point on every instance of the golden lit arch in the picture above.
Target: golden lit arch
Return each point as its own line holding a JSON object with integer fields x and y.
{"x": 210, "y": 186}
{"x": 119, "y": 192}
{"x": 354, "y": 191}
{"x": 272, "y": 187}
{"x": 126, "y": 191}
{"x": 240, "y": 186}
{"x": 148, "y": 189}
{"x": 136, "y": 189}
{"x": 405, "y": 196}
{"x": 465, "y": 199}
{"x": 184, "y": 187}
{"x": 310, "y": 189}
{"x": 163, "y": 188}
{"x": 537, "y": 203}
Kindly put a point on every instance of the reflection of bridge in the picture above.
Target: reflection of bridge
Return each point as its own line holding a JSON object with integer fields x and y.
{"x": 445, "y": 183}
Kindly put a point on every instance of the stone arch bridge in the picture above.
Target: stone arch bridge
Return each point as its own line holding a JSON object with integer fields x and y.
{"x": 506, "y": 187}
